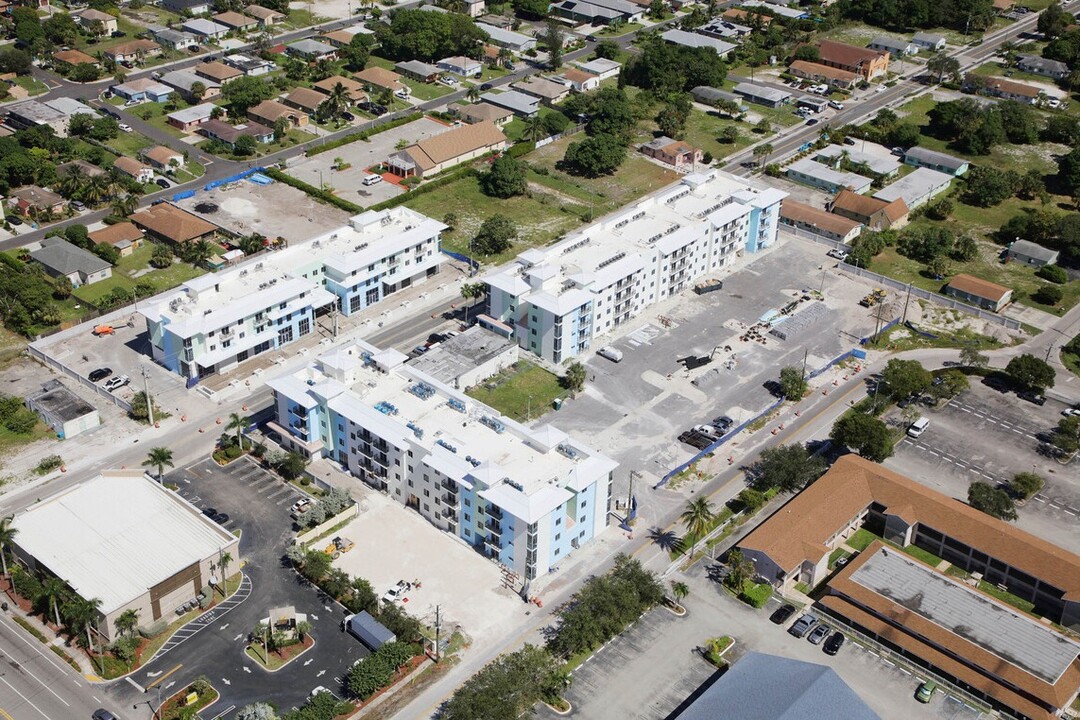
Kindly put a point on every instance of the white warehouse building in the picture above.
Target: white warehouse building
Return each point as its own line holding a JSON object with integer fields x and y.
{"x": 216, "y": 321}
{"x": 526, "y": 497}
{"x": 556, "y": 300}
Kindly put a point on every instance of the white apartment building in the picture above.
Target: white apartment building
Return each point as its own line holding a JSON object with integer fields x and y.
{"x": 215, "y": 321}
{"x": 557, "y": 300}
{"x": 527, "y": 497}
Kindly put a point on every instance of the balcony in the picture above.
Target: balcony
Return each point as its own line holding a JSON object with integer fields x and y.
{"x": 495, "y": 512}
{"x": 493, "y": 527}
{"x": 451, "y": 500}
{"x": 450, "y": 486}
{"x": 449, "y": 513}
{"x": 493, "y": 545}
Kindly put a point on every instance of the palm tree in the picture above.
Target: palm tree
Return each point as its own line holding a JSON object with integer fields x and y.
{"x": 96, "y": 189}
{"x": 237, "y": 422}
{"x": 81, "y": 614}
{"x": 337, "y": 101}
{"x": 473, "y": 93}
{"x": 128, "y": 621}
{"x": 198, "y": 252}
{"x": 116, "y": 183}
{"x": 680, "y": 590}
{"x": 53, "y": 589}
{"x": 159, "y": 457}
{"x": 223, "y": 562}
{"x": 73, "y": 181}
{"x": 762, "y": 152}
{"x": 697, "y": 517}
{"x": 125, "y": 205}
{"x": 7, "y": 534}
{"x": 534, "y": 128}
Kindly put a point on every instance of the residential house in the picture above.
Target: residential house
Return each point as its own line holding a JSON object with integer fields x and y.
{"x": 548, "y": 91}
{"x": 269, "y": 112}
{"x": 762, "y": 94}
{"x": 124, "y": 236}
{"x": 143, "y": 90}
{"x": 1004, "y": 6}
{"x": 190, "y": 118}
{"x": 714, "y": 96}
{"x": 724, "y": 29}
{"x": 237, "y": 22}
{"x": 1041, "y": 66}
{"x": 579, "y": 80}
{"x": 875, "y": 164}
{"x": 916, "y": 189}
{"x": 354, "y": 89}
{"x": 175, "y": 39}
{"x": 598, "y": 12}
{"x": 174, "y": 225}
{"x": 460, "y": 65}
{"x": 74, "y": 57}
{"x": 132, "y": 52}
{"x": 680, "y": 155}
{"x": 475, "y": 8}
{"x": 1006, "y": 89}
{"x": 217, "y": 72}
{"x": 95, "y": 21}
{"x": 747, "y": 17}
{"x": 818, "y": 73}
{"x": 163, "y": 158}
{"x": 923, "y": 158}
{"x": 873, "y": 213}
{"x": 482, "y": 112}
{"x": 266, "y": 17}
{"x": 868, "y": 63}
{"x": 601, "y": 68}
{"x": 812, "y": 102}
{"x": 62, "y": 259}
{"x": 929, "y": 41}
{"x": 778, "y": 10}
{"x": 311, "y": 50}
{"x": 819, "y": 222}
{"x": 512, "y": 41}
{"x": 432, "y": 155}
{"x": 32, "y": 200}
{"x": 1032, "y": 254}
{"x": 694, "y": 40}
{"x": 188, "y": 7}
{"x": 979, "y": 292}
{"x": 249, "y": 65}
{"x": 895, "y": 48}
{"x": 31, "y": 113}
{"x": 380, "y": 77}
{"x": 205, "y": 30}
{"x": 186, "y": 83}
{"x": 517, "y": 102}
{"x": 228, "y": 134}
{"x": 305, "y": 99}
{"x": 87, "y": 169}
{"x": 134, "y": 169}
{"x": 417, "y": 70}
{"x": 817, "y": 175}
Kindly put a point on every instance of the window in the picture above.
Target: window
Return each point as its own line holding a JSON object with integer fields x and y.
{"x": 557, "y": 551}
{"x": 285, "y": 335}
{"x": 304, "y": 327}
{"x": 558, "y": 522}
{"x": 558, "y": 535}
{"x": 354, "y": 304}
{"x": 467, "y": 517}
{"x": 468, "y": 502}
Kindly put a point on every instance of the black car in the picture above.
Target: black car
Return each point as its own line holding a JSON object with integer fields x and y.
{"x": 696, "y": 440}
{"x": 723, "y": 423}
{"x": 782, "y": 615}
{"x": 221, "y": 518}
{"x": 373, "y": 108}
{"x": 834, "y": 643}
{"x": 486, "y": 86}
{"x": 99, "y": 374}
{"x": 162, "y": 183}
{"x": 14, "y": 220}
{"x": 210, "y": 512}
{"x": 1032, "y": 397}
{"x": 348, "y": 116}
{"x": 812, "y": 121}
{"x": 102, "y": 714}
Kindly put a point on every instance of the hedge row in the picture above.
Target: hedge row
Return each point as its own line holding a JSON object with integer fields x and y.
{"x": 363, "y": 134}
{"x": 427, "y": 187}
{"x": 317, "y": 193}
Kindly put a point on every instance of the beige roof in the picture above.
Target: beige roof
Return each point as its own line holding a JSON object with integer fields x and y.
{"x": 258, "y": 11}
{"x": 131, "y": 166}
{"x": 541, "y": 87}
{"x": 744, "y": 15}
{"x": 483, "y": 111}
{"x": 810, "y": 215}
{"x": 1013, "y": 88}
{"x": 844, "y": 54}
{"x": 161, "y": 154}
{"x": 217, "y": 71}
{"x": 978, "y": 287}
{"x": 355, "y": 89}
{"x": 172, "y": 223}
{"x": 446, "y": 146}
{"x": 305, "y": 98}
{"x": 234, "y": 19}
{"x": 130, "y": 48}
{"x": 75, "y": 57}
{"x": 119, "y": 232}
{"x": 92, "y": 14}
{"x": 813, "y": 68}
{"x": 341, "y": 37}
{"x": 381, "y": 77}
{"x": 271, "y": 110}
{"x": 576, "y": 75}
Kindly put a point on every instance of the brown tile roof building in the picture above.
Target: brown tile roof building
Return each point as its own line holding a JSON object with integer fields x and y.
{"x": 133, "y": 48}
{"x": 875, "y": 214}
{"x": 235, "y": 20}
{"x": 338, "y": 38}
{"x": 74, "y": 57}
{"x": 131, "y": 166}
{"x": 805, "y": 68}
{"x": 173, "y": 224}
{"x": 481, "y": 111}
{"x": 380, "y": 77}
{"x": 817, "y": 220}
{"x": 217, "y": 71}
{"x": 542, "y": 88}
{"x": 305, "y": 99}
{"x": 260, "y": 13}
{"x": 161, "y": 156}
{"x": 437, "y": 153}
{"x": 1001, "y": 86}
{"x": 744, "y": 16}
{"x": 269, "y": 112}
{"x": 865, "y": 62}
{"x": 355, "y": 89}
{"x": 978, "y": 286}
{"x": 118, "y": 233}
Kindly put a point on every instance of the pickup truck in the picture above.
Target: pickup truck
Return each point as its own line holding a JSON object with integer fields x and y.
{"x": 396, "y": 593}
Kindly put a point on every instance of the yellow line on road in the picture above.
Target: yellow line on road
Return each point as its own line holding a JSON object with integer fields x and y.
{"x": 4, "y": 715}
{"x": 158, "y": 680}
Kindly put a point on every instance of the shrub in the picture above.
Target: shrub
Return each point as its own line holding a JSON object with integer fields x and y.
{"x": 1053, "y": 273}
{"x": 317, "y": 193}
{"x": 48, "y": 464}
{"x": 756, "y": 595}
{"x": 1048, "y": 295}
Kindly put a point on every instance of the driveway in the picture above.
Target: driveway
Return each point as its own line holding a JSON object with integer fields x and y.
{"x": 258, "y": 507}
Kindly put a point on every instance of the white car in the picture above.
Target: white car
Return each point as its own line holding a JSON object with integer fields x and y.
{"x": 448, "y": 81}
{"x": 1071, "y": 412}
{"x": 125, "y": 127}
{"x": 396, "y": 593}
{"x": 1053, "y": 103}
{"x": 836, "y": 105}
{"x": 117, "y": 382}
{"x": 838, "y": 254}
{"x": 402, "y": 94}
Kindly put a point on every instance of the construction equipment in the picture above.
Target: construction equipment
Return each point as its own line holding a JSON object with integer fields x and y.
{"x": 869, "y": 301}
{"x": 102, "y": 330}
{"x": 337, "y": 546}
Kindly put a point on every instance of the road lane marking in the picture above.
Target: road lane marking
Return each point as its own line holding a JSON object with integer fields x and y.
{"x": 25, "y": 699}
{"x": 158, "y": 680}
{"x": 36, "y": 648}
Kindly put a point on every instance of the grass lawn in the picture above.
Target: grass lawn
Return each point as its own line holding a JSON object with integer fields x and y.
{"x": 1071, "y": 361}
{"x": 522, "y": 392}
{"x": 278, "y": 658}
{"x": 620, "y": 30}
{"x": 703, "y": 131}
{"x": 429, "y": 91}
{"x": 10, "y": 441}
{"x": 899, "y": 338}
{"x": 862, "y": 539}
{"x": 129, "y": 143}
{"x": 163, "y": 279}
{"x": 836, "y": 555}
{"x": 93, "y": 293}
{"x": 1006, "y": 597}
{"x": 31, "y": 85}
{"x": 957, "y": 572}
{"x": 923, "y": 556}
{"x": 996, "y": 69}
{"x": 299, "y": 18}
{"x": 539, "y": 219}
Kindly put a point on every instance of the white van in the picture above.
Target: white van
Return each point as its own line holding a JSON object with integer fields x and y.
{"x": 918, "y": 427}
{"x": 610, "y": 353}
{"x": 372, "y": 179}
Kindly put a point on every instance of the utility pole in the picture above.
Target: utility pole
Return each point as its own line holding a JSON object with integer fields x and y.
{"x": 630, "y": 495}
{"x": 907, "y": 301}
{"x": 877, "y": 320}
{"x": 146, "y": 392}
{"x": 438, "y": 627}
{"x": 805, "y": 352}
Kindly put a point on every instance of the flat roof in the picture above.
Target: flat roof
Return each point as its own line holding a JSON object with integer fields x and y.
{"x": 1034, "y": 250}
{"x": 819, "y": 171}
{"x": 57, "y": 400}
{"x": 116, "y": 536}
{"x": 761, "y": 91}
{"x": 912, "y": 188}
{"x": 451, "y": 358}
{"x": 937, "y": 158}
{"x": 1015, "y": 638}
{"x": 880, "y": 164}
{"x": 694, "y": 40}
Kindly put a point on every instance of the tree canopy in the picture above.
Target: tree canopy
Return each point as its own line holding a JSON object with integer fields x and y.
{"x": 595, "y": 156}
{"x": 418, "y": 35}
{"x": 996, "y": 503}
{"x": 666, "y": 67}
{"x": 1030, "y": 372}
{"x": 865, "y": 433}
{"x": 789, "y": 468}
{"x": 495, "y": 235}
{"x": 505, "y": 179}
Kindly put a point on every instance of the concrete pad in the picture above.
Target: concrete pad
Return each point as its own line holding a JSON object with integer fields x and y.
{"x": 466, "y": 586}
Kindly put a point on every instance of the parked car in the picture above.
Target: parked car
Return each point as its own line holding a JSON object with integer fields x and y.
{"x": 818, "y": 634}
{"x": 926, "y": 691}
{"x": 1032, "y": 397}
{"x": 803, "y": 625}
{"x": 117, "y": 382}
{"x": 125, "y": 127}
{"x": 448, "y": 81}
{"x": 221, "y": 518}
{"x": 696, "y": 440}
{"x": 397, "y": 592}
{"x": 14, "y": 220}
{"x": 78, "y": 205}
{"x": 782, "y": 615}
{"x": 210, "y": 512}
{"x": 833, "y": 644}
{"x": 898, "y": 151}
{"x": 723, "y": 424}
{"x": 401, "y": 94}
{"x": 812, "y": 121}
{"x": 99, "y": 374}
{"x": 836, "y": 105}
{"x": 610, "y": 353}
{"x": 1071, "y": 412}
{"x": 838, "y": 254}
{"x": 486, "y": 86}
{"x": 162, "y": 183}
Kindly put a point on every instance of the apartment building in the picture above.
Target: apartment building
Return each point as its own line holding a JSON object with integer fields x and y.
{"x": 525, "y": 497}
{"x": 558, "y": 299}
{"x": 216, "y": 321}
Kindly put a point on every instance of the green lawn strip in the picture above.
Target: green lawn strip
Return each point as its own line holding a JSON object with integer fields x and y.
{"x": 428, "y": 91}
{"x": 277, "y": 660}
{"x": 900, "y": 339}
{"x": 620, "y": 30}
{"x": 1071, "y": 361}
{"x": 836, "y": 555}
{"x": 957, "y": 572}
{"x": 520, "y": 392}
{"x": 124, "y": 24}
{"x": 129, "y": 143}
{"x": 31, "y": 85}
{"x": 1006, "y": 597}
{"x": 93, "y": 293}
{"x": 862, "y": 539}
{"x": 28, "y": 627}
{"x": 9, "y": 440}
{"x": 995, "y": 69}
{"x": 703, "y": 131}
{"x": 919, "y": 554}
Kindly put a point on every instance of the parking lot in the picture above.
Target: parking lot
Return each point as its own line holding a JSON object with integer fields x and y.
{"x": 395, "y": 543}
{"x": 984, "y": 435}
{"x": 652, "y": 667}
{"x": 362, "y": 155}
